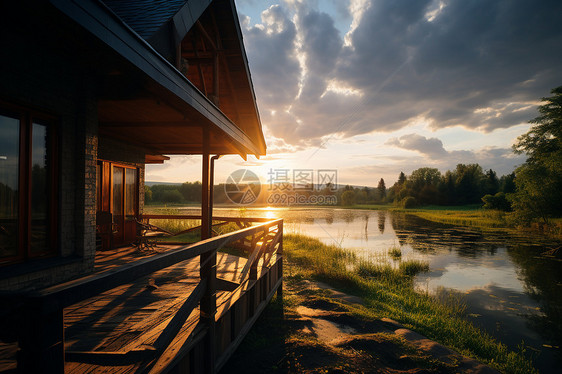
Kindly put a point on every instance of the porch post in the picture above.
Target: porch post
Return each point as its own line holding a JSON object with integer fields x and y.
{"x": 205, "y": 187}
{"x": 41, "y": 342}
{"x": 208, "y": 269}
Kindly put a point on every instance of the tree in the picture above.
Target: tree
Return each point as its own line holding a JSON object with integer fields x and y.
{"x": 381, "y": 188}
{"x": 507, "y": 183}
{"x": 539, "y": 180}
{"x": 172, "y": 196}
{"x": 364, "y": 195}
{"x": 422, "y": 185}
{"x": 543, "y": 142}
{"x": 348, "y": 198}
{"x": 447, "y": 190}
{"x": 468, "y": 184}
{"x": 424, "y": 176}
{"x": 147, "y": 194}
{"x": 394, "y": 191}
{"x": 401, "y": 178}
{"x": 491, "y": 183}
{"x": 191, "y": 192}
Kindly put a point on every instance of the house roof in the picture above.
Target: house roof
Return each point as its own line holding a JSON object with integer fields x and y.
{"x": 145, "y": 16}
{"x": 146, "y": 99}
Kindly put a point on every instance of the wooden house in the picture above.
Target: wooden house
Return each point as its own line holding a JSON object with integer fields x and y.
{"x": 90, "y": 92}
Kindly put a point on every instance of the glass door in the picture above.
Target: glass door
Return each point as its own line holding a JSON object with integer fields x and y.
{"x": 117, "y": 205}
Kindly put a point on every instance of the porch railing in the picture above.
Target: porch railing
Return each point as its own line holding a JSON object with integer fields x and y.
{"x": 41, "y": 343}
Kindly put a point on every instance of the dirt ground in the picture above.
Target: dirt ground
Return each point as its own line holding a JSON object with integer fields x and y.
{"x": 313, "y": 330}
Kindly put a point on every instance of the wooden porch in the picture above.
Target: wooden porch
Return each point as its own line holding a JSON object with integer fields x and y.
{"x": 183, "y": 309}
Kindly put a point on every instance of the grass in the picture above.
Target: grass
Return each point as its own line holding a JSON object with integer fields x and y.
{"x": 388, "y": 292}
{"x": 413, "y": 267}
{"x": 177, "y": 225}
{"x": 465, "y": 215}
{"x": 395, "y": 253}
{"x": 473, "y": 216}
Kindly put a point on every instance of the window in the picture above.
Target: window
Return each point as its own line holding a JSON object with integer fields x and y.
{"x": 27, "y": 185}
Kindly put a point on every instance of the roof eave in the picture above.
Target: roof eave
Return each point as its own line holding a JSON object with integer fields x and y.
{"x": 100, "y": 21}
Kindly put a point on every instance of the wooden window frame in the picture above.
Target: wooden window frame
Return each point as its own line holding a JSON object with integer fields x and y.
{"x": 27, "y": 117}
{"x": 112, "y": 164}
{"x": 107, "y": 194}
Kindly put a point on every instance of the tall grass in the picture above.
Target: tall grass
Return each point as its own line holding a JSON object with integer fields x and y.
{"x": 413, "y": 267}
{"x": 389, "y": 292}
{"x": 395, "y": 253}
{"x": 176, "y": 226}
{"x": 171, "y": 225}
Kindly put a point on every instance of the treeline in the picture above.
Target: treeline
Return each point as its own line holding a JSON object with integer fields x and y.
{"x": 466, "y": 184}
{"x": 188, "y": 192}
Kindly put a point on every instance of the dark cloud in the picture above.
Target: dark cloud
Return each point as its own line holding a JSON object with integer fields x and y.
{"x": 472, "y": 55}
{"x": 478, "y": 64}
{"x": 272, "y": 58}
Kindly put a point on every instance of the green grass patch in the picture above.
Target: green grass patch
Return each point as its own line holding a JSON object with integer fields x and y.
{"x": 388, "y": 292}
{"x": 413, "y": 267}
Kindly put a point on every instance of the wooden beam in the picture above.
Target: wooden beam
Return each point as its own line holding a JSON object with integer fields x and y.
{"x": 208, "y": 56}
{"x": 201, "y": 76}
{"x": 199, "y": 60}
{"x": 149, "y": 124}
{"x": 180, "y": 316}
{"x": 206, "y": 35}
{"x": 226, "y": 285}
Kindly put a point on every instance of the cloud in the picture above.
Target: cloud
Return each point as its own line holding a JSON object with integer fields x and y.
{"x": 502, "y": 160}
{"x": 431, "y": 147}
{"x": 273, "y": 59}
{"x": 477, "y": 64}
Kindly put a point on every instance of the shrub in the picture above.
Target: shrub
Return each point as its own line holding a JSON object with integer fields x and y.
{"x": 408, "y": 202}
{"x": 497, "y": 202}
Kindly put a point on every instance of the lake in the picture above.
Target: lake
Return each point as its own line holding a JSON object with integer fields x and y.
{"x": 510, "y": 290}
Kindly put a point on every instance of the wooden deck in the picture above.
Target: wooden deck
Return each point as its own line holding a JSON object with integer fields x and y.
{"x": 155, "y": 322}
{"x": 131, "y": 317}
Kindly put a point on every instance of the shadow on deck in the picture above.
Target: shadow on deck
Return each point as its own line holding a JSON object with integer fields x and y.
{"x": 184, "y": 309}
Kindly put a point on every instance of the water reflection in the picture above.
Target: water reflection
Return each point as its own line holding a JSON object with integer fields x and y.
{"x": 510, "y": 290}
{"x": 382, "y": 219}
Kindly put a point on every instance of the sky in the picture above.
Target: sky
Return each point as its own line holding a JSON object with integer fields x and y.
{"x": 371, "y": 88}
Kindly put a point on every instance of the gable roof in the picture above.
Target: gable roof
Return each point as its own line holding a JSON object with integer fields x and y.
{"x": 234, "y": 114}
{"x": 145, "y": 16}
